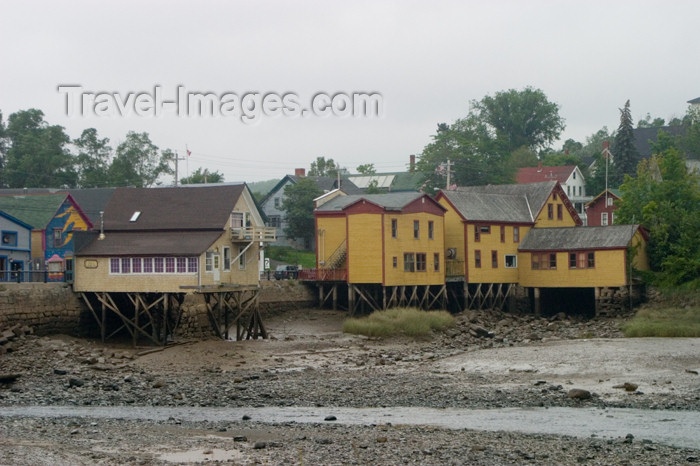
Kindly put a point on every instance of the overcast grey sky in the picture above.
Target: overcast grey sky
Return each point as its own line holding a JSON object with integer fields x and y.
{"x": 426, "y": 59}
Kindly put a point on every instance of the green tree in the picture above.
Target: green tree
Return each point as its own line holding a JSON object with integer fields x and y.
{"x": 323, "y": 167}
{"x": 624, "y": 152}
{"x": 668, "y": 206}
{"x": 37, "y": 154}
{"x": 648, "y": 122}
{"x": 490, "y": 143}
{"x": 558, "y": 159}
{"x": 298, "y": 204}
{"x": 523, "y": 157}
{"x": 366, "y": 169}
{"x": 93, "y": 159}
{"x": 521, "y": 118}
{"x": 138, "y": 162}
{"x": 202, "y": 176}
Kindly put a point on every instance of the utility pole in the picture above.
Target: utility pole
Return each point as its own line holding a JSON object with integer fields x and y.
{"x": 177, "y": 157}
{"x": 449, "y": 174}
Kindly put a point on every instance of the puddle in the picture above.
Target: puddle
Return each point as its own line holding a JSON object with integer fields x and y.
{"x": 677, "y": 428}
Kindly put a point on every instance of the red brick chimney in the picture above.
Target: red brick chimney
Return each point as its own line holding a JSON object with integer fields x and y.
{"x": 301, "y": 172}
{"x": 606, "y": 144}
{"x": 412, "y": 165}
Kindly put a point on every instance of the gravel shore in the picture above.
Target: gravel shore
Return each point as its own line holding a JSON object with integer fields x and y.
{"x": 490, "y": 360}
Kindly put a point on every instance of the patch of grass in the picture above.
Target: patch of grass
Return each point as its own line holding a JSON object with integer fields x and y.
{"x": 665, "y": 322}
{"x": 399, "y": 321}
{"x": 307, "y": 259}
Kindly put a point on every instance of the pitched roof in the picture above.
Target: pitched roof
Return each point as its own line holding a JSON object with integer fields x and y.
{"x": 614, "y": 192}
{"x": 36, "y": 210}
{"x": 539, "y": 174}
{"x": 573, "y": 238}
{"x": 475, "y": 206}
{"x": 643, "y": 138}
{"x": 391, "y": 181}
{"x": 694, "y": 101}
{"x": 324, "y": 183}
{"x": 90, "y": 200}
{"x": 388, "y": 201}
{"x": 161, "y": 243}
{"x": 171, "y": 208}
{"x": 15, "y": 220}
{"x": 535, "y": 193}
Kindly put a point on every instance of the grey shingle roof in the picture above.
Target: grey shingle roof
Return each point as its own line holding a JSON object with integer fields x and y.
{"x": 389, "y": 201}
{"x": 169, "y": 243}
{"x": 574, "y": 238}
{"x": 199, "y": 208}
{"x": 536, "y": 195}
{"x": 491, "y": 207}
{"x": 643, "y": 137}
{"x": 90, "y": 200}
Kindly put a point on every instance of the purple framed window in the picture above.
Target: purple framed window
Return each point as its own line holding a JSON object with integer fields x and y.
{"x": 192, "y": 264}
{"x": 126, "y": 264}
{"x": 147, "y": 265}
{"x": 169, "y": 265}
{"x": 158, "y": 264}
{"x": 181, "y": 265}
{"x": 114, "y": 265}
{"x": 136, "y": 264}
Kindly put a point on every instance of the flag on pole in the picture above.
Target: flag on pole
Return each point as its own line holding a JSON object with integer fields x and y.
{"x": 188, "y": 151}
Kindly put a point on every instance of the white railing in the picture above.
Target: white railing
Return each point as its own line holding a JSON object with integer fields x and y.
{"x": 267, "y": 234}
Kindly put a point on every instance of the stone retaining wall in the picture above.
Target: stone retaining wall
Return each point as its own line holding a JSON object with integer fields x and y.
{"x": 45, "y": 307}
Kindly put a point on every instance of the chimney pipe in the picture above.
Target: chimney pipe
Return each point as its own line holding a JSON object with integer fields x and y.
{"x": 301, "y": 172}
{"x": 412, "y": 168}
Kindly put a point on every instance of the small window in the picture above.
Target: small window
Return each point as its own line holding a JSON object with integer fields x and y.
{"x": 477, "y": 258}
{"x": 394, "y": 228}
{"x": 554, "y": 196}
{"x": 430, "y": 229}
{"x": 181, "y": 265}
{"x": 126, "y": 264}
{"x": 227, "y": 258}
{"x": 591, "y": 260}
{"x": 503, "y": 234}
{"x": 477, "y": 234}
{"x": 237, "y": 219}
{"x": 580, "y": 191}
{"x": 550, "y": 211}
{"x": 436, "y": 261}
{"x": 57, "y": 237}
{"x": 192, "y": 264}
{"x": 421, "y": 262}
{"x": 568, "y": 191}
{"x": 574, "y": 174}
{"x": 241, "y": 258}
{"x": 535, "y": 261}
{"x": 604, "y": 218}
{"x": 9, "y": 238}
{"x": 409, "y": 262}
{"x": 560, "y": 212}
{"x": 395, "y": 262}
{"x": 135, "y": 216}
{"x": 511, "y": 261}
{"x": 416, "y": 229}
{"x": 494, "y": 259}
{"x": 278, "y": 202}
{"x": 158, "y": 265}
{"x": 169, "y": 265}
{"x": 610, "y": 201}
{"x": 552, "y": 261}
{"x": 572, "y": 260}
{"x": 275, "y": 221}
{"x": 209, "y": 262}
{"x": 147, "y": 265}
{"x": 114, "y": 265}
{"x": 516, "y": 234}
{"x": 136, "y": 264}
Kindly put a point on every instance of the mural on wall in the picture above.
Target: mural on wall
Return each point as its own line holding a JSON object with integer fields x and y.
{"x": 58, "y": 238}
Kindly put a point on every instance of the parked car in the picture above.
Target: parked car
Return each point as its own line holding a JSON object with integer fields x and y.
{"x": 283, "y": 272}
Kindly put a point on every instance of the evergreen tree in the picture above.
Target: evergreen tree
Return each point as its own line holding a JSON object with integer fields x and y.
{"x": 625, "y": 155}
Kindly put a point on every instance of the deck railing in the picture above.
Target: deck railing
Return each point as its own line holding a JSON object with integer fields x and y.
{"x": 19, "y": 276}
{"x": 267, "y": 234}
{"x": 326, "y": 275}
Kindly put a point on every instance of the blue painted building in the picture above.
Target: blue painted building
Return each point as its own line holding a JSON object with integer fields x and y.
{"x": 15, "y": 247}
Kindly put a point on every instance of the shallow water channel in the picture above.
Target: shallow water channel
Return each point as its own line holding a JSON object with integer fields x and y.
{"x": 677, "y": 428}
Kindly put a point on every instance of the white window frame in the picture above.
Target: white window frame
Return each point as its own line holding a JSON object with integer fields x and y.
{"x": 227, "y": 258}
{"x": 209, "y": 262}
{"x": 604, "y": 219}
{"x": 515, "y": 261}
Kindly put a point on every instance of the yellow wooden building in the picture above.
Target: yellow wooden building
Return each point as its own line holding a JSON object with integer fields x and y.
{"x": 484, "y": 226}
{"x": 156, "y": 244}
{"x": 388, "y": 249}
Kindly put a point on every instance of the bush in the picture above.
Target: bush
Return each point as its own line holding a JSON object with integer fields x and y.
{"x": 288, "y": 255}
{"x": 399, "y": 321}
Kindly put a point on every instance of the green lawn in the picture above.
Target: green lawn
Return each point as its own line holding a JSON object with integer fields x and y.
{"x": 677, "y": 315}
{"x": 307, "y": 259}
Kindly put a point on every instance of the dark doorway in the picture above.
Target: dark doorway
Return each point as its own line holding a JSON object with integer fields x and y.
{"x": 571, "y": 301}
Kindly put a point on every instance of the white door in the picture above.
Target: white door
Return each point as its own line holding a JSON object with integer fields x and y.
{"x": 216, "y": 267}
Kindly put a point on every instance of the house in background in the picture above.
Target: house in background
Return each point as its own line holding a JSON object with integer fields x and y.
{"x": 695, "y": 102}
{"x": 271, "y": 205}
{"x": 15, "y": 248}
{"x": 601, "y": 210}
{"x": 54, "y": 218}
{"x": 390, "y": 182}
{"x": 90, "y": 200}
{"x": 570, "y": 177}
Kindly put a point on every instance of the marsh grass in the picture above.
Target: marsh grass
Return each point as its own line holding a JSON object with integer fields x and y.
{"x": 399, "y": 321}
{"x": 665, "y": 321}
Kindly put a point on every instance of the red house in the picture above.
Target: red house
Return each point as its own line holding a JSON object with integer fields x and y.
{"x": 601, "y": 210}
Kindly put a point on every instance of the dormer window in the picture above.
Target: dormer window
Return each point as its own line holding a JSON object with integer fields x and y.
{"x": 135, "y": 216}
